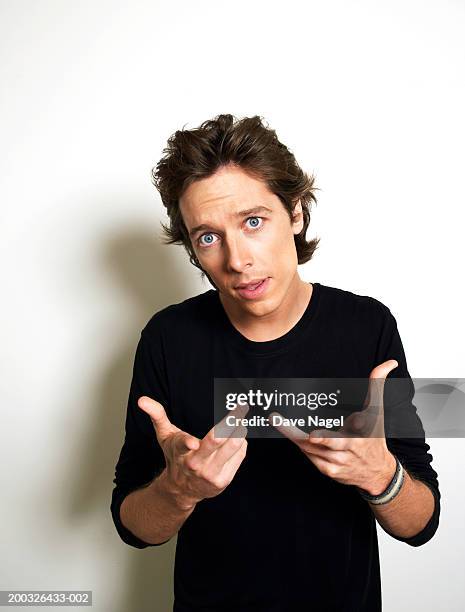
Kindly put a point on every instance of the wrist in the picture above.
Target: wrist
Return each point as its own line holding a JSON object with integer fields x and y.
{"x": 168, "y": 489}
{"x": 384, "y": 477}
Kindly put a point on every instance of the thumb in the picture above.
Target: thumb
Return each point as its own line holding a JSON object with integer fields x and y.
{"x": 376, "y": 382}
{"x": 374, "y": 403}
{"x": 382, "y": 370}
{"x": 155, "y": 410}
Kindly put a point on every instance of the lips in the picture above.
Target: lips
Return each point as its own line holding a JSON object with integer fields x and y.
{"x": 251, "y": 285}
{"x": 253, "y": 290}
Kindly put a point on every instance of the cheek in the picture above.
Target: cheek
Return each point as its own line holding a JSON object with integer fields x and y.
{"x": 275, "y": 244}
{"x": 283, "y": 242}
{"x": 278, "y": 234}
{"x": 210, "y": 260}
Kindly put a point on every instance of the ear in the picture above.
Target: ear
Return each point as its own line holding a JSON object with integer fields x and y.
{"x": 298, "y": 222}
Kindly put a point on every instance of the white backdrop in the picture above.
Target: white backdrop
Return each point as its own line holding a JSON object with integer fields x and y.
{"x": 368, "y": 95}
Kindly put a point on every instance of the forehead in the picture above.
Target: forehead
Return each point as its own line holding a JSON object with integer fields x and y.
{"x": 228, "y": 191}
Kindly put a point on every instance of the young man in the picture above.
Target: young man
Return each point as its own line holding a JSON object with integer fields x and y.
{"x": 263, "y": 524}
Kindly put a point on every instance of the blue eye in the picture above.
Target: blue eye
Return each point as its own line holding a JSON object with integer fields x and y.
{"x": 206, "y": 240}
{"x": 209, "y": 236}
{"x": 255, "y": 219}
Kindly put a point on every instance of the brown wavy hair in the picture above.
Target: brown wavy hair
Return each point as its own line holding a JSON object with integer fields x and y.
{"x": 248, "y": 143}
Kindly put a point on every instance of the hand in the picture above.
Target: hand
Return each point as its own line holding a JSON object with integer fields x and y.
{"x": 345, "y": 456}
{"x": 197, "y": 469}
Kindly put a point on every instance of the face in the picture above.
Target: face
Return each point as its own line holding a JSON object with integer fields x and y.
{"x": 241, "y": 233}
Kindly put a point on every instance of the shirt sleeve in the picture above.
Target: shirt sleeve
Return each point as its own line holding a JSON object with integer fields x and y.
{"x": 411, "y": 448}
{"x": 141, "y": 457}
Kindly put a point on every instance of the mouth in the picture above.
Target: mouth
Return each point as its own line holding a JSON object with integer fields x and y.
{"x": 254, "y": 288}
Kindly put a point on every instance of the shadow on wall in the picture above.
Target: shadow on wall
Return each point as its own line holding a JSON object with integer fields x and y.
{"x": 148, "y": 272}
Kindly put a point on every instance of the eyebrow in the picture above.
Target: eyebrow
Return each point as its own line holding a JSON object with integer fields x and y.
{"x": 241, "y": 213}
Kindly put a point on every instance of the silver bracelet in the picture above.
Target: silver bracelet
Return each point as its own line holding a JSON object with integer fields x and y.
{"x": 392, "y": 489}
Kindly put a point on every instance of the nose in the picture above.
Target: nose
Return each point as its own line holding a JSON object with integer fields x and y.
{"x": 237, "y": 254}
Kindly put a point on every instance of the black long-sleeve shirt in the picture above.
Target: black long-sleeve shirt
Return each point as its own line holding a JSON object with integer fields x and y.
{"x": 282, "y": 536}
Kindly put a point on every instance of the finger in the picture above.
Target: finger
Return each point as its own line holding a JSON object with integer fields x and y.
{"x": 183, "y": 443}
{"x": 374, "y": 399}
{"x": 376, "y": 382}
{"x": 382, "y": 370}
{"x": 220, "y": 433}
{"x": 223, "y": 429}
{"x": 232, "y": 464}
{"x": 328, "y": 439}
{"x": 336, "y": 457}
{"x": 230, "y": 447}
{"x": 163, "y": 426}
{"x": 290, "y": 431}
